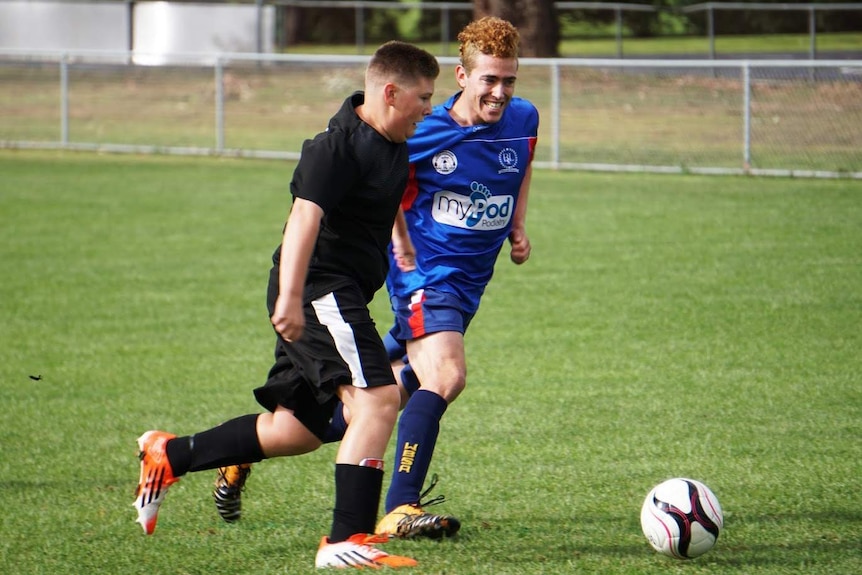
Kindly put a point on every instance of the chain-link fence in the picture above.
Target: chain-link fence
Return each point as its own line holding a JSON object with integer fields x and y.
{"x": 760, "y": 117}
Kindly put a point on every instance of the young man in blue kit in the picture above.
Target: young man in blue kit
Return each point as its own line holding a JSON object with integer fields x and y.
{"x": 470, "y": 168}
{"x": 346, "y": 192}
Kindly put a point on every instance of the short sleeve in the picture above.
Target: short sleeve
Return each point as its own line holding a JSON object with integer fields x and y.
{"x": 326, "y": 171}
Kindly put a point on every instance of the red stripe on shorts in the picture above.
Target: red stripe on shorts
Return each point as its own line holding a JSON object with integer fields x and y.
{"x": 417, "y": 317}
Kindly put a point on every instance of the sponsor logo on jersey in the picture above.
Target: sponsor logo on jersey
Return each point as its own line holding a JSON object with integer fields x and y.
{"x": 444, "y": 162}
{"x": 479, "y": 210}
{"x": 509, "y": 160}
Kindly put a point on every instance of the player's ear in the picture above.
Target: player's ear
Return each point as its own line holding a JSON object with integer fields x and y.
{"x": 461, "y": 75}
{"x": 389, "y": 91}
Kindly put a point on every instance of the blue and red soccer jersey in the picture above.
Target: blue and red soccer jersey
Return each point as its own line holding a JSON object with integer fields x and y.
{"x": 460, "y": 199}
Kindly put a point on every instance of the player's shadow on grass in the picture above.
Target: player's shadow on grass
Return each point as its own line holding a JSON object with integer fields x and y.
{"x": 838, "y": 537}
{"x": 550, "y": 537}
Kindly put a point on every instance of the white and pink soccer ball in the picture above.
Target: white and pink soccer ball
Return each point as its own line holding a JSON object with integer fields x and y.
{"x": 681, "y": 518}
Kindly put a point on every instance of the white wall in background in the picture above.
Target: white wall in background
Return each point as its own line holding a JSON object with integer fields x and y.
{"x": 64, "y": 26}
{"x": 165, "y": 28}
{"x": 159, "y": 28}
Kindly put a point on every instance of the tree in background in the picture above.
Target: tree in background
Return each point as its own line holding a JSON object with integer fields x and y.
{"x": 536, "y": 21}
{"x": 748, "y": 21}
{"x": 409, "y": 22}
{"x": 541, "y": 25}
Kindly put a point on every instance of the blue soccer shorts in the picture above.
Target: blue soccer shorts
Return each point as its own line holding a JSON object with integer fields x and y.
{"x": 427, "y": 311}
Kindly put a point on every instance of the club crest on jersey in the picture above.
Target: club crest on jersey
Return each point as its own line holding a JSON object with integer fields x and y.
{"x": 509, "y": 160}
{"x": 479, "y": 210}
{"x": 444, "y": 162}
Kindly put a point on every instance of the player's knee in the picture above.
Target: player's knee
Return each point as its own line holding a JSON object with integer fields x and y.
{"x": 383, "y": 403}
{"x": 448, "y": 383}
{"x": 457, "y": 385}
{"x": 280, "y": 434}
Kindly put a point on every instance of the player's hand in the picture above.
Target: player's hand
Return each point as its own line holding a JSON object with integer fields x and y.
{"x": 405, "y": 253}
{"x": 288, "y": 318}
{"x": 520, "y": 246}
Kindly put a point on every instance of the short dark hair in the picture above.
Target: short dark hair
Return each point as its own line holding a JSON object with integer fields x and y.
{"x": 403, "y": 62}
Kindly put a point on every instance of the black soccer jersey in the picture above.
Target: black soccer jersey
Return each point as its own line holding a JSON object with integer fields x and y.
{"x": 358, "y": 178}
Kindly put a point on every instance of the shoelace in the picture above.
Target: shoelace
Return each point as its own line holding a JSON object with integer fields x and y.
{"x": 369, "y": 538}
{"x": 242, "y": 472}
{"x": 434, "y": 500}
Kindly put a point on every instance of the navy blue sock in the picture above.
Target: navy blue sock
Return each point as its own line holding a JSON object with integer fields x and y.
{"x": 418, "y": 428}
{"x": 337, "y": 426}
{"x": 396, "y": 349}
{"x": 409, "y": 380}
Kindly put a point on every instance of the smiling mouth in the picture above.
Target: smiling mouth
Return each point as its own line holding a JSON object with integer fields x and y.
{"x": 493, "y": 106}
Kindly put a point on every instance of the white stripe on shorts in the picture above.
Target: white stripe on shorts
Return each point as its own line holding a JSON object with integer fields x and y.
{"x": 330, "y": 316}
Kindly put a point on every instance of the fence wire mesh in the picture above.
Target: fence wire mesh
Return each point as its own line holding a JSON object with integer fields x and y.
{"x": 596, "y": 114}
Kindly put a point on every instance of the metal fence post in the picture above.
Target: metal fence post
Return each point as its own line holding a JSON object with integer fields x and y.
{"x": 219, "y": 103}
{"x": 746, "y": 115}
{"x": 360, "y": 29}
{"x": 555, "y": 115}
{"x": 710, "y": 24}
{"x": 130, "y": 29}
{"x": 812, "y": 32}
{"x": 258, "y": 32}
{"x": 444, "y": 30}
{"x": 64, "y": 99}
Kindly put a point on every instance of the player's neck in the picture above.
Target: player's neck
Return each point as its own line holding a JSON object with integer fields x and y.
{"x": 460, "y": 113}
{"x": 366, "y": 115}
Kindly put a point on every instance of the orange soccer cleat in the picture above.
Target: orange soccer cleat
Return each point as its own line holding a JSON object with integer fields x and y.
{"x": 156, "y": 477}
{"x": 357, "y": 552}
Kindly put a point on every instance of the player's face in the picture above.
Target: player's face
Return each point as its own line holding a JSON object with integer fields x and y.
{"x": 487, "y": 89}
{"x": 411, "y": 104}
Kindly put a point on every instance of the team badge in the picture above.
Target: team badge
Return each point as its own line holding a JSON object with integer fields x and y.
{"x": 509, "y": 160}
{"x": 444, "y": 162}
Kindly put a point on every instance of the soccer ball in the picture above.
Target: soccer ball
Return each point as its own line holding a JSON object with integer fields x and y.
{"x": 681, "y": 518}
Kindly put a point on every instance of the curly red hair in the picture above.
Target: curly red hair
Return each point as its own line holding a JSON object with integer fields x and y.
{"x": 490, "y": 36}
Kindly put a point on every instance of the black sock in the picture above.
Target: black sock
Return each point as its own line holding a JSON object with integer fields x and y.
{"x": 357, "y": 499}
{"x": 233, "y": 442}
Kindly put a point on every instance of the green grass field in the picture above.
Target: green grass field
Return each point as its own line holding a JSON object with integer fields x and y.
{"x": 665, "y": 326}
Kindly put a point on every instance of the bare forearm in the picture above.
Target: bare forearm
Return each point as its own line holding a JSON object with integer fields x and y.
{"x": 297, "y": 246}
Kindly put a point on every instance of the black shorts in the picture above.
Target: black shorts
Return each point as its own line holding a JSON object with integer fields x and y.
{"x": 339, "y": 346}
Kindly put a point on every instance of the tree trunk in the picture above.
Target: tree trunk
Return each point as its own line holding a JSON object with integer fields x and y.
{"x": 536, "y": 21}
{"x": 293, "y": 26}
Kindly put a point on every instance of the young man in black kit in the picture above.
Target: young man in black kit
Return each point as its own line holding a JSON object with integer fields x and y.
{"x": 346, "y": 192}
